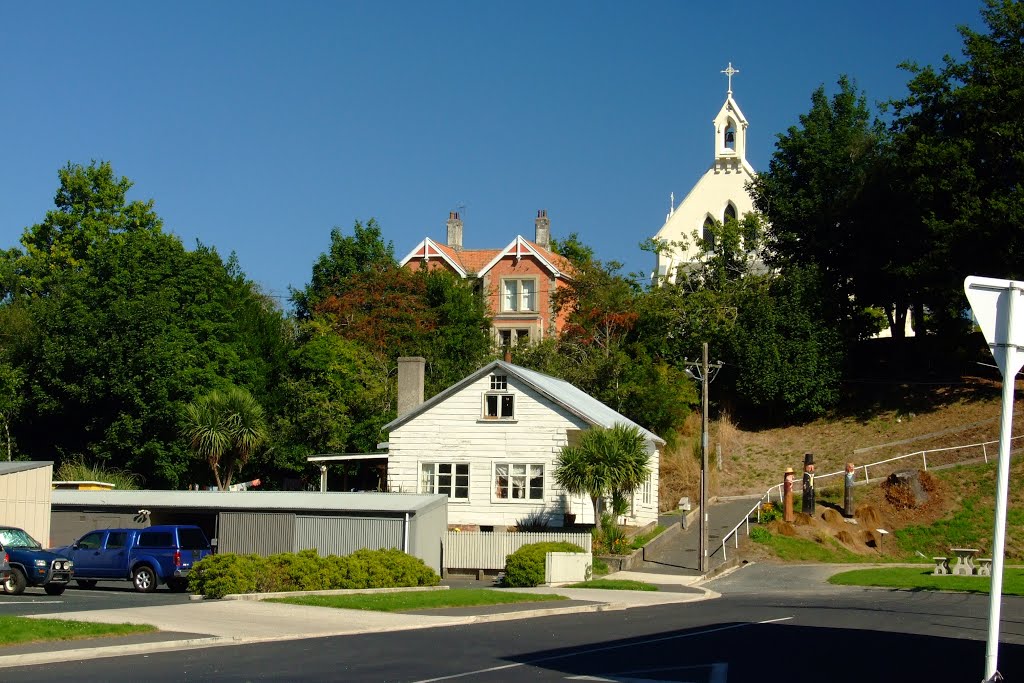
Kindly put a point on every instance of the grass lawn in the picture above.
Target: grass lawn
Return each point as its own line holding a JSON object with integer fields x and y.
{"x": 922, "y": 579}
{"x": 414, "y": 600}
{"x": 615, "y": 585}
{"x": 795, "y": 549}
{"x": 15, "y": 630}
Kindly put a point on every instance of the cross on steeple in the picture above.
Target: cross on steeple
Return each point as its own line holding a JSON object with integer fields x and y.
{"x": 729, "y": 72}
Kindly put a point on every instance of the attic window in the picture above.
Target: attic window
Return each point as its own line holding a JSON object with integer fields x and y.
{"x": 499, "y": 383}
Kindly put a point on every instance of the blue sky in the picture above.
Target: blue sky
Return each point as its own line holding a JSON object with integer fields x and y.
{"x": 258, "y": 126}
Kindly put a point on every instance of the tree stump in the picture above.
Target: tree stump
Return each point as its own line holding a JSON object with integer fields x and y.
{"x": 904, "y": 490}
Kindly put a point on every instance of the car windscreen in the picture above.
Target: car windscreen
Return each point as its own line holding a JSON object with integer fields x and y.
{"x": 192, "y": 539}
{"x": 17, "y": 538}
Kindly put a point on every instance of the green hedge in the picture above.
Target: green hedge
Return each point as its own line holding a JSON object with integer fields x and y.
{"x": 218, "y": 575}
{"x": 525, "y": 567}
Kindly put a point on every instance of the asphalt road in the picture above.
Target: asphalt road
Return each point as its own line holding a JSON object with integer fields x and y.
{"x": 107, "y": 595}
{"x": 770, "y": 623}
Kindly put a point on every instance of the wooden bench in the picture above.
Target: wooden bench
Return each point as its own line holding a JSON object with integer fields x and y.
{"x": 941, "y": 565}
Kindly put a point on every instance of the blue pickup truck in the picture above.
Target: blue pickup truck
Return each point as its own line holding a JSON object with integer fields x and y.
{"x": 146, "y": 557}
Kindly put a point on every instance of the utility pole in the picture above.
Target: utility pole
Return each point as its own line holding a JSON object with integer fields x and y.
{"x": 704, "y": 374}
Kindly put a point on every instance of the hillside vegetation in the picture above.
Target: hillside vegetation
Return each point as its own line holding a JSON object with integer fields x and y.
{"x": 932, "y": 402}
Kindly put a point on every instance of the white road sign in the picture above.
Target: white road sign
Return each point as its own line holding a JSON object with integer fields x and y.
{"x": 999, "y": 310}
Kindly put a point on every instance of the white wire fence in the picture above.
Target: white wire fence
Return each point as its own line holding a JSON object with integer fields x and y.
{"x": 934, "y": 458}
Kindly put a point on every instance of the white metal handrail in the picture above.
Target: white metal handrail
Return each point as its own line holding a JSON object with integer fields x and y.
{"x": 768, "y": 494}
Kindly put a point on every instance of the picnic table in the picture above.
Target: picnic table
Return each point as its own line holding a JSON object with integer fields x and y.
{"x": 964, "y": 561}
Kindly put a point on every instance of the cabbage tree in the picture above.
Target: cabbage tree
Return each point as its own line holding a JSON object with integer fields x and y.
{"x": 225, "y": 428}
{"x": 610, "y": 462}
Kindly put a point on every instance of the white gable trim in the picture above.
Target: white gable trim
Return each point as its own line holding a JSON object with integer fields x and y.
{"x": 422, "y": 251}
{"x": 518, "y": 248}
{"x": 731, "y": 106}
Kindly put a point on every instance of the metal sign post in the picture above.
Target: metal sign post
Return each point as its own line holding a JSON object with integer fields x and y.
{"x": 997, "y": 308}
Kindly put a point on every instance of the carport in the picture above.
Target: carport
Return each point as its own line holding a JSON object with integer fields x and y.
{"x": 267, "y": 522}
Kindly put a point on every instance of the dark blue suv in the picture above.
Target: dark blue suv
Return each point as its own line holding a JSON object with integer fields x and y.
{"x": 31, "y": 565}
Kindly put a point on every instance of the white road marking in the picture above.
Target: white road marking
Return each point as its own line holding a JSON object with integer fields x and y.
{"x": 606, "y": 649}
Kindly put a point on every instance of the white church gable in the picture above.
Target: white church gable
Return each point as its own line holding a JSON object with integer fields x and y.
{"x": 720, "y": 192}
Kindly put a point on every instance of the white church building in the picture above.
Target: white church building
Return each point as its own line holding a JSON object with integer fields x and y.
{"x": 719, "y": 194}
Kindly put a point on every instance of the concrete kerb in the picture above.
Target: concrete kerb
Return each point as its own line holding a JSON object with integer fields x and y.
{"x": 340, "y": 591}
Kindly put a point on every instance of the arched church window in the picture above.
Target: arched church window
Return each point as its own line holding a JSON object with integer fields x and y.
{"x": 730, "y": 212}
{"x": 708, "y": 234}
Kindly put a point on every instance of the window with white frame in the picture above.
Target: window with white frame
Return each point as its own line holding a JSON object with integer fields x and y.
{"x": 447, "y": 478}
{"x": 499, "y": 407}
{"x": 498, "y": 404}
{"x": 519, "y": 295}
{"x": 518, "y": 481}
{"x": 647, "y": 489}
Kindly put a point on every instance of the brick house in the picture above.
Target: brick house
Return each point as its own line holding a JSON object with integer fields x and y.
{"x": 518, "y": 281}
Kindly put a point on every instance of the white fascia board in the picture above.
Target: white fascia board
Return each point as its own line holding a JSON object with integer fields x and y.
{"x": 423, "y": 247}
{"x": 519, "y": 247}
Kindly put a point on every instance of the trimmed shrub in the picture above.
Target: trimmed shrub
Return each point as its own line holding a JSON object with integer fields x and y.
{"x": 525, "y": 567}
{"x": 218, "y": 575}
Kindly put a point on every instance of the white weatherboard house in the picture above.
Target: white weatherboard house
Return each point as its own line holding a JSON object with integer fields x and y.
{"x": 720, "y": 194}
{"x": 490, "y": 443}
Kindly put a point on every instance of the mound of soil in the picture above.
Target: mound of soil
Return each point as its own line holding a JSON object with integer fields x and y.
{"x": 874, "y": 510}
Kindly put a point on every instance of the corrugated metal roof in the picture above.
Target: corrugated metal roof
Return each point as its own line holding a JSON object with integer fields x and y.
{"x": 252, "y": 500}
{"x": 10, "y": 467}
{"x": 559, "y": 391}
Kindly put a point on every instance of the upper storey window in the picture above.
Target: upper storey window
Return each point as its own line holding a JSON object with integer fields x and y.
{"x": 519, "y": 296}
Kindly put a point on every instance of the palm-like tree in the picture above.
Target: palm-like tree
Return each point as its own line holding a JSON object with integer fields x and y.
{"x": 225, "y": 428}
{"x": 606, "y": 462}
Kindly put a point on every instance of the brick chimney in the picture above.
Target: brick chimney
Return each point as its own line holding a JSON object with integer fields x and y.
{"x": 454, "y": 230}
{"x": 543, "y": 225}
{"x": 410, "y": 384}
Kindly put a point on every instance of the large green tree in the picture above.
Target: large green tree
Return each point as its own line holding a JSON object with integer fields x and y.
{"x": 602, "y": 351}
{"x": 362, "y": 252}
{"x": 960, "y": 136}
{"x": 823, "y": 209}
{"x": 123, "y": 325}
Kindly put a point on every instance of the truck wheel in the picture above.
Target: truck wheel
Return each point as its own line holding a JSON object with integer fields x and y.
{"x": 16, "y": 584}
{"x": 85, "y": 583}
{"x": 54, "y": 588}
{"x": 144, "y": 579}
